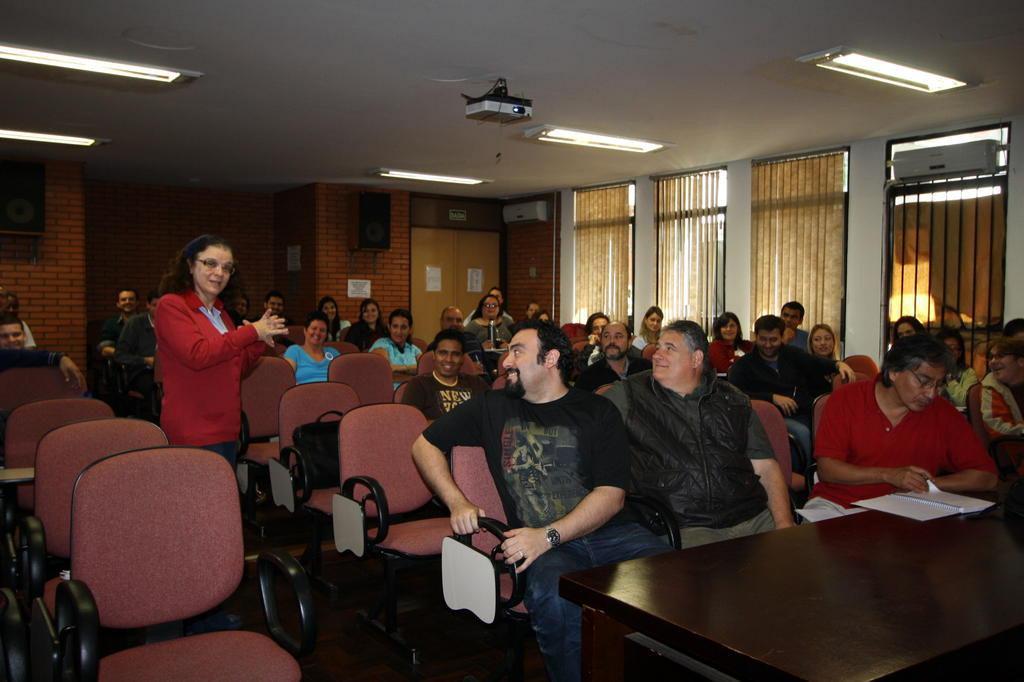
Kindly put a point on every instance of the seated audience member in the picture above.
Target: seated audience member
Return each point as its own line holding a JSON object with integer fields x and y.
{"x": 329, "y": 307}
{"x": 877, "y": 437}
{"x": 445, "y": 388}
{"x": 1014, "y": 329}
{"x": 698, "y": 446}
{"x": 591, "y": 352}
{"x": 783, "y": 375}
{"x": 136, "y": 348}
{"x": 451, "y": 318}
{"x": 396, "y": 347}
{"x": 12, "y": 306}
{"x": 793, "y": 315}
{"x": 560, "y": 460}
{"x": 532, "y": 308}
{"x": 962, "y": 377}
{"x": 369, "y": 327}
{"x": 488, "y": 322}
{"x": 821, "y": 343}
{"x": 312, "y": 359}
{"x": 614, "y": 364}
{"x": 12, "y": 334}
{"x": 126, "y": 302}
{"x": 544, "y": 316}
{"x": 11, "y": 358}
{"x": 239, "y": 311}
{"x": 497, "y": 293}
{"x": 905, "y": 326}
{"x": 1002, "y": 393}
{"x": 274, "y": 302}
{"x": 727, "y": 345}
{"x": 649, "y": 328}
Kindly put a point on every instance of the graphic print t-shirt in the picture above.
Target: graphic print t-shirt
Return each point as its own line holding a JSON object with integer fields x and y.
{"x": 434, "y": 399}
{"x": 544, "y": 458}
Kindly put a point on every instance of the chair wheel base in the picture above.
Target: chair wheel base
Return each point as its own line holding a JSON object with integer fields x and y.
{"x": 326, "y": 586}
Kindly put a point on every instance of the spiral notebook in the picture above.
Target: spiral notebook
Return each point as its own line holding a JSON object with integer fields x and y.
{"x": 933, "y": 504}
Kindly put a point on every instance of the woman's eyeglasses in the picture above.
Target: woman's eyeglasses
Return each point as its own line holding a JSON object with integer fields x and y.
{"x": 213, "y": 264}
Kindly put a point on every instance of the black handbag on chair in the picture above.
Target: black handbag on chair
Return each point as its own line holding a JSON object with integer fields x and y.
{"x": 316, "y": 446}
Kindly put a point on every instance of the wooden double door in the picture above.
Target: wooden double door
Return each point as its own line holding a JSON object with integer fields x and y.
{"x": 450, "y": 267}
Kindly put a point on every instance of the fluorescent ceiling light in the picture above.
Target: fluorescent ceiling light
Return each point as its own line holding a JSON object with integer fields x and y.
{"x": 847, "y": 61}
{"x": 25, "y": 136}
{"x": 427, "y": 177}
{"x": 67, "y": 61}
{"x": 551, "y": 133}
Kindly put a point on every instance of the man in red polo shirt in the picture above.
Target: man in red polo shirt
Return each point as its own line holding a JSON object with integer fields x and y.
{"x": 895, "y": 433}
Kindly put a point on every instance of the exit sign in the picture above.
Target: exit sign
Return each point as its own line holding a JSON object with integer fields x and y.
{"x": 458, "y": 214}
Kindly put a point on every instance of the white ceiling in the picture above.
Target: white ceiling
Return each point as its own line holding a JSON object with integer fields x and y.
{"x": 299, "y": 91}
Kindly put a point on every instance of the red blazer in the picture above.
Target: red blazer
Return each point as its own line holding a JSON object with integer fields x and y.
{"x": 202, "y": 371}
{"x": 722, "y": 354}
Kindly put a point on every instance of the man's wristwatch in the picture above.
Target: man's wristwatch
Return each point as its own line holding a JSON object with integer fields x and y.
{"x": 554, "y": 539}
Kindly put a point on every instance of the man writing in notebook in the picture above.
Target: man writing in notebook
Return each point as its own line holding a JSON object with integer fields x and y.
{"x": 896, "y": 433}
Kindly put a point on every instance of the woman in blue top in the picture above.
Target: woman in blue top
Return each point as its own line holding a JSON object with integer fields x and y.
{"x": 402, "y": 355}
{"x": 311, "y": 360}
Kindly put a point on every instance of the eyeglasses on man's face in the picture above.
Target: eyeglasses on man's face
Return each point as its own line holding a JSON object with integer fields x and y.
{"x": 926, "y": 382}
{"x": 213, "y": 264}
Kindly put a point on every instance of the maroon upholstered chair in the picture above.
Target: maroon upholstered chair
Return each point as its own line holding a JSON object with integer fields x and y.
{"x": 473, "y": 477}
{"x": 28, "y": 423}
{"x": 574, "y": 330}
{"x": 775, "y": 426}
{"x": 400, "y": 391}
{"x": 419, "y": 343}
{"x": 368, "y": 373}
{"x": 304, "y": 404}
{"x": 262, "y": 389}
{"x": 862, "y": 364}
{"x": 343, "y": 346}
{"x": 156, "y": 538}
{"x": 602, "y": 389}
{"x": 61, "y": 455}
{"x": 28, "y": 384}
{"x": 379, "y": 483}
{"x": 649, "y": 350}
{"x": 297, "y": 334}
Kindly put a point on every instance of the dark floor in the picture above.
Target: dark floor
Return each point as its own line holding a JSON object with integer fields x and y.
{"x": 450, "y": 645}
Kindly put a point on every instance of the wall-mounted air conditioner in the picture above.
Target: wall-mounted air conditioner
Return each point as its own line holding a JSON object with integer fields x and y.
{"x": 527, "y": 212}
{"x": 970, "y": 158}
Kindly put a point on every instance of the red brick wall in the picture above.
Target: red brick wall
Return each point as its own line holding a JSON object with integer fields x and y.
{"x": 388, "y": 271}
{"x": 530, "y": 245}
{"x": 52, "y": 290}
{"x": 295, "y": 225}
{"x": 134, "y": 231}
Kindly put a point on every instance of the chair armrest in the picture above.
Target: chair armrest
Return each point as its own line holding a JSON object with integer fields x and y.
{"x": 498, "y": 530}
{"x": 31, "y": 556}
{"x": 270, "y": 564}
{"x": 659, "y": 516}
{"x": 301, "y": 478}
{"x": 994, "y": 446}
{"x": 379, "y": 499}
{"x": 13, "y": 638}
{"x": 66, "y": 646}
{"x": 243, "y": 435}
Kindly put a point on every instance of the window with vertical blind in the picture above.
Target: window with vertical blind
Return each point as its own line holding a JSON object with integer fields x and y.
{"x": 690, "y": 217}
{"x": 798, "y": 236}
{"x": 603, "y": 247}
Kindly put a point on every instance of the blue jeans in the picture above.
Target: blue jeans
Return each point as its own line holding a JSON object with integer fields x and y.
{"x": 228, "y": 450}
{"x": 799, "y": 428}
{"x": 556, "y": 621}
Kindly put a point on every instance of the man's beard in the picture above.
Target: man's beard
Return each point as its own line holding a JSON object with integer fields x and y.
{"x": 618, "y": 353}
{"x": 514, "y": 389}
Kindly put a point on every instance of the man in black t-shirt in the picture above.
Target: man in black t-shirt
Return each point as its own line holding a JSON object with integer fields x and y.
{"x": 444, "y": 389}
{"x": 560, "y": 461}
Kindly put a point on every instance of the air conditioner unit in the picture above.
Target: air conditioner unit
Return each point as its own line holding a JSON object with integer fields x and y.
{"x": 970, "y": 158}
{"x": 527, "y": 212}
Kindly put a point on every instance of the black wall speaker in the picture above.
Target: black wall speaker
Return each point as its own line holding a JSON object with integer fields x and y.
{"x": 373, "y": 223}
{"x": 22, "y": 197}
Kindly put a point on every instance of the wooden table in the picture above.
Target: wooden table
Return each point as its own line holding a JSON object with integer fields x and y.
{"x": 863, "y": 597}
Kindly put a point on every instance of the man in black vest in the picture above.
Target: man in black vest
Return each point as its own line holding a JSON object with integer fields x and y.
{"x": 697, "y": 444}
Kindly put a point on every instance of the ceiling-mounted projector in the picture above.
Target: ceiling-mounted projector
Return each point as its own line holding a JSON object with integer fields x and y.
{"x": 497, "y": 106}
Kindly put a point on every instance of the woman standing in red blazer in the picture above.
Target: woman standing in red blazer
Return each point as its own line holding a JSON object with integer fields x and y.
{"x": 201, "y": 353}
